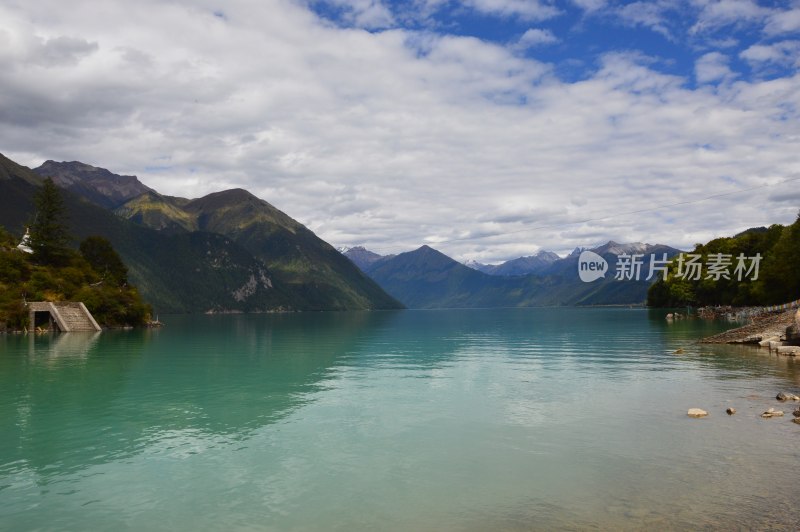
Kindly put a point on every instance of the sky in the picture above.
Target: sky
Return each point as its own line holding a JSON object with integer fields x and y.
{"x": 487, "y": 129}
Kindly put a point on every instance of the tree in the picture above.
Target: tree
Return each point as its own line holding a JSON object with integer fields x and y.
{"x": 49, "y": 237}
{"x": 781, "y": 275}
{"x": 778, "y": 279}
{"x": 100, "y": 254}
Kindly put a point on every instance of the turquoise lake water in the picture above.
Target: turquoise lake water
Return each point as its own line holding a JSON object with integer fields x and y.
{"x": 513, "y": 419}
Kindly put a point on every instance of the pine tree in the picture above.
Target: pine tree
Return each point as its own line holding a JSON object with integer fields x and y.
{"x": 100, "y": 254}
{"x": 49, "y": 237}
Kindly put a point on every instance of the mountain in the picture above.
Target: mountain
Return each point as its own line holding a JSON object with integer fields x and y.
{"x": 317, "y": 273}
{"x": 198, "y": 272}
{"x": 610, "y": 251}
{"x": 162, "y": 213}
{"x": 426, "y": 278}
{"x": 520, "y": 266}
{"x": 98, "y": 185}
{"x": 179, "y": 269}
{"x": 630, "y": 248}
{"x": 319, "y": 277}
{"x": 362, "y": 257}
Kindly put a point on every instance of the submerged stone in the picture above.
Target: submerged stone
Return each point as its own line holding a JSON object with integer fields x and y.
{"x": 783, "y": 396}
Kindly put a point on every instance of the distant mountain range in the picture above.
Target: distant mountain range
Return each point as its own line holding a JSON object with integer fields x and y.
{"x": 363, "y": 258}
{"x": 426, "y": 278}
{"x": 232, "y": 252}
{"x": 520, "y": 266}
{"x": 225, "y": 252}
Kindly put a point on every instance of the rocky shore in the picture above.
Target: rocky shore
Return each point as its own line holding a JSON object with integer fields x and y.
{"x": 779, "y": 331}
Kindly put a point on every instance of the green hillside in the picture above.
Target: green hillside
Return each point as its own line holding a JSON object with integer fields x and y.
{"x": 78, "y": 277}
{"x": 227, "y": 252}
{"x": 190, "y": 272}
{"x": 778, "y": 279}
{"x": 158, "y": 212}
{"x": 318, "y": 276}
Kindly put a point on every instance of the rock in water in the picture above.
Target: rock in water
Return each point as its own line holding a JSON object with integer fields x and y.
{"x": 797, "y": 420}
{"x": 767, "y": 341}
{"x": 697, "y": 412}
{"x": 731, "y": 411}
{"x": 772, "y": 413}
{"x": 796, "y": 413}
{"x": 783, "y": 396}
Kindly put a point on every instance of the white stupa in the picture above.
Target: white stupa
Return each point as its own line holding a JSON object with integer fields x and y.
{"x": 25, "y": 245}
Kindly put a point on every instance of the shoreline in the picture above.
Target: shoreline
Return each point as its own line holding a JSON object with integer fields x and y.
{"x": 765, "y": 330}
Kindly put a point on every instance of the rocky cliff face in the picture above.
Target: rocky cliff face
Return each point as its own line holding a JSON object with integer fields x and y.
{"x": 98, "y": 185}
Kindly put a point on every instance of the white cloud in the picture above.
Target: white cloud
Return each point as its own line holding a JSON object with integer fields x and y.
{"x": 510, "y": 9}
{"x": 524, "y": 9}
{"x": 785, "y": 53}
{"x": 713, "y": 67}
{"x": 783, "y": 22}
{"x": 536, "y": 37}
{"x": 394, "y": 138}
{"x": 652, "y": 15}
{"x": 715, "y": 14}
{"x": 370, "y": 14}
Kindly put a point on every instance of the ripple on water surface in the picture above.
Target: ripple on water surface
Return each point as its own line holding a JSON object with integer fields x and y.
{"x": 452, "y": 420}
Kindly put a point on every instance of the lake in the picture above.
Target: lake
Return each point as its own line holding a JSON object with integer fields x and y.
{"x": 501, "y": 419}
